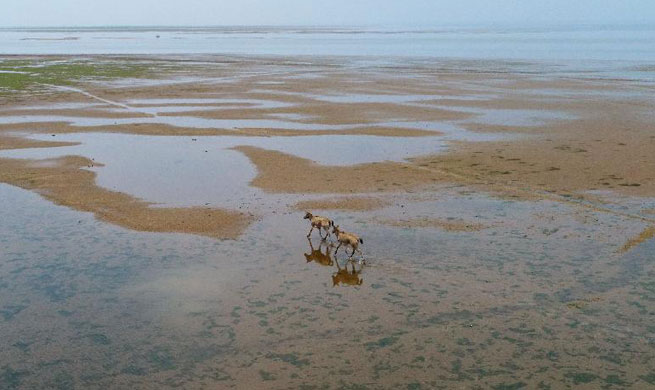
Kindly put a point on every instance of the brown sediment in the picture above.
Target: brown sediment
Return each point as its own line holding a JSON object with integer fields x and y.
{"x": 344, "y": 203}
{"x": 576, "y": 156}
{"x": 330, "y": 113}
{"x": 208, "y": 105}
{"x": 645, "y": 235}
{"x": 610, "y": 148}
{"x": 348, "y": 113}
{"x": 568, "y": 84}
{"x": 605, "y": 144}
{"x": 65, "y": 182}
{"x": 365, "y": 130}
{"x": 109, "y": 112}
{"x": 132, "y": 128}
{"x": 165, "y": 129}
{"x": 529, "y": 100}
{"x": 443, "y": 224}
{"x": 26, "y": 143}
{"x": 226, "y": 113}
{"x": 284, "y": 173}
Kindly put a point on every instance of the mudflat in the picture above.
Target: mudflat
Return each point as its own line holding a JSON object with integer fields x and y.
{"x": 153, "y": 215}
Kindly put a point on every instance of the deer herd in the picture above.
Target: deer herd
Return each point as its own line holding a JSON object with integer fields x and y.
{"x": 342, "y": 276}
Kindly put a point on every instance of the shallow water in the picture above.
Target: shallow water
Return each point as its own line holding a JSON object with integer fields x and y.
{"x": 180, "y": 171}
{"x": 90, "y": 305}
{"x": 230, "y": 124}
{"x": 540, "y": 43}
{"x": 187, "y": 121}
{"x": 513, "y": 117}
{"x": 529, "y": 294}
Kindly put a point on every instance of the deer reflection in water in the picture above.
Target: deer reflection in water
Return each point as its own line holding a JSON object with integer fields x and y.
{"x": 317, "y": 255}
{"x": 345, "y": 277}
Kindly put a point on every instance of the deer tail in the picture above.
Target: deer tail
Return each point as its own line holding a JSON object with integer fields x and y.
{"x": 361, "y": 241}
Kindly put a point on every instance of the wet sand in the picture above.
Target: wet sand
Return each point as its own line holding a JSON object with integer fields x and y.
{"x": 65, "y": 182}
{"x": 507, "y": 219}
{"x": 448, "y": 225}
{"x": 283, "y": 173}
{"x": 26, "y": 143}
{"x": 343, "y": 203}
{"x": 165, "y": 129}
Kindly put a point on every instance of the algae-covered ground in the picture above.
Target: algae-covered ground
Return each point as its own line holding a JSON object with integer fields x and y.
{"x": 35, "y": 74}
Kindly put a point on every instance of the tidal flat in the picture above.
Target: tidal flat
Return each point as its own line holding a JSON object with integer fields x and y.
{"x": 152, "y": 232}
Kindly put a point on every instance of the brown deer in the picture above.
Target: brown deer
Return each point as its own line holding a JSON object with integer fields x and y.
{"x": 317, "y": 256}
{"x": 348, "y": 239}
{"x": 319, "y": 223}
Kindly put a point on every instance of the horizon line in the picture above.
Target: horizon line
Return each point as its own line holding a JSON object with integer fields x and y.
{"x": 418, "y": 25}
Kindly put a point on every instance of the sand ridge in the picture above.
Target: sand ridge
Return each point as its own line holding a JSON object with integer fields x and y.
{"x": 343, "y": 203}
{"x": 449, "y": 225}
{"x": 610, "y": 151}
{"x": 65, "y": 182}
{"x": 13, "y": 142}
{"x": 284, "y": 173}
{"x": 166, "y": 129}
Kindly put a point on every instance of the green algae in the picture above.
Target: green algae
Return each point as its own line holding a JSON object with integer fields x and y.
{"x": 21, "y": 75}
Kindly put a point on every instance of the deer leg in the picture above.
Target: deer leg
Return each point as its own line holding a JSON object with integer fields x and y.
{"x": 336, "y": 250}
{"x": 351, "y": 255}
{"x": 311, "y": 246}
{"x": 310, "y": 231}
{"x": 336, "y": 262}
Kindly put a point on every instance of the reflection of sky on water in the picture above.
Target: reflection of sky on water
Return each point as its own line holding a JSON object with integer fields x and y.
{"x": 178, "y": 170}
{"x": 98, "y": 304}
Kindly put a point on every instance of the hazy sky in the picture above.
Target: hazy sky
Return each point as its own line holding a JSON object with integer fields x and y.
{"x": 321, "y": 12}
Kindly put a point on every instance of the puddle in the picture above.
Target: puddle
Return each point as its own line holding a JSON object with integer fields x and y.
{"x": 181, "y": 121}
{"x": 451, "y": 131}
{"x": 180, "y": 171}
{"x": 512, "y": 117}
{"x": 59, "y": 106}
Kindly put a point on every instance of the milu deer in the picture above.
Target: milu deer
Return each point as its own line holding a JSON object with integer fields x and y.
{"x": 348, "y": 239}
{"x": 319, "y": 223}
